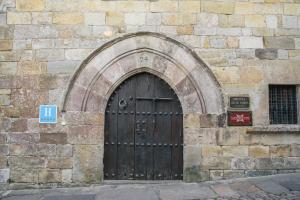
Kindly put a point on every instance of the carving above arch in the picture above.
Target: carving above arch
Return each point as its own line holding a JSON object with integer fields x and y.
{"x": 99, "y": 75}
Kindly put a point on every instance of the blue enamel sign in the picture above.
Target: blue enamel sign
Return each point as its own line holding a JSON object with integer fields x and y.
{"x": 48, "y": 114}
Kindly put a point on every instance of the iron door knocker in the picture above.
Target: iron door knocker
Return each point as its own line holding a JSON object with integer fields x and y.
{"x": 122, "y": 104}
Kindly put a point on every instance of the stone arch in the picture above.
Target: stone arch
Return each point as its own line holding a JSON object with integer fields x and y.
{"x": 98, "y": 75}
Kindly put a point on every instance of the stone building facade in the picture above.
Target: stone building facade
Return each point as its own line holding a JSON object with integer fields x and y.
{"x": 74, "y": 54}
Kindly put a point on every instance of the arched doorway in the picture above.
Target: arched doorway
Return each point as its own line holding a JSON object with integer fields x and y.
{"x": 143, "y": 131}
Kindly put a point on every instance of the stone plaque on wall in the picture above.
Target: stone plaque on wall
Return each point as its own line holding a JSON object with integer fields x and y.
{"x": 242, "y": 102}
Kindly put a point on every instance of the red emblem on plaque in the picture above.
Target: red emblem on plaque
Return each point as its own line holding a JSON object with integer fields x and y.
{"x": 239, "y": 118}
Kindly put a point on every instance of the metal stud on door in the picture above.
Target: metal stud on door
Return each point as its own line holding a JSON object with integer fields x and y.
{"x": 143, "y": 131}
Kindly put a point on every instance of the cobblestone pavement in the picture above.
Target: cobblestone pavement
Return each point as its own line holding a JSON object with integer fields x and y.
{"x": 263, "y": 188}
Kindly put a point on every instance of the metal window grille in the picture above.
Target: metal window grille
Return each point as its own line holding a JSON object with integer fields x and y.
{"x": 283, "y": 104}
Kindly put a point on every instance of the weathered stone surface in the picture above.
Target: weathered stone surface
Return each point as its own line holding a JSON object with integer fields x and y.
{"x": 254, "y": 173}
{"x": 228, "y": 137}
{"x": 26, "y": 162}
{"x": 66, "y": 175}
{"x": 289, "y": 21}
{"x": 85, "y": 134}
{"x": 163, "y": 6}
{"x": 242, "y": 163}
{"x": 31, "y": 68}
{"x": 269, "y": 163}
{"x": 280, "y": 150}
{"x": 87, "y": 164}
{"x": 5, "y": 45}
{"x": 64, "y": 150}
{"x": 19, "y": 125}
{"x": 215, "y": 163}
{"x": 251, "y": 42}
{"x": 279, "y": 42}
{"x": 34, "y": 5}
{"x": 135, "y": 18}
{"x": 114, "y": 18}
{"x": 269, "y": 54}
{"x": 295, "y": 150}
{"x": 216, "y": 174}
{"x": 4, "y": 175}
{"x": 255, "y": 21}
{"x": 18, "y": 18}
{"x": 194, "y": 174}
{"x": 209, "y": 150}
{"x": 50, "y": 55}
{"x": 60, "y": 163}
{"x": 94, "y": 18}
{"x": 217, "y": 7}
{"x": 68, "y": 18}
{"x": 53, "y": 138}
{"x": 49, "y": 176}
{"x": 229, "y": 174}
{"x": 235, "y": 151}
{"x": 23, "y": 175}
{"x": 271, "y": 21}
{"x": 259, "y": 151}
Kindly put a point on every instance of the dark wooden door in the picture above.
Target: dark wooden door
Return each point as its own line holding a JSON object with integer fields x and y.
{"x": 143, "y": 131}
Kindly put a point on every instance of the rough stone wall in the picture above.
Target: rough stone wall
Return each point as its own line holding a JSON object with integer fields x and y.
{"x": 247, "y": 45}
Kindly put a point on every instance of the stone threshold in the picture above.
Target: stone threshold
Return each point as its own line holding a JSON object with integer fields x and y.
{"x": 125, "y": 182}
{"x": 274, "y": 129}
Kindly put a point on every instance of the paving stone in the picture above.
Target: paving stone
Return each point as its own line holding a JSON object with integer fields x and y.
{"x": 128, "y": 193}
{"x": 179, "y": 192}
{"x": 224, "y": 191}
{"x": 270, "y": 187}
{"x": 72, "y": 197}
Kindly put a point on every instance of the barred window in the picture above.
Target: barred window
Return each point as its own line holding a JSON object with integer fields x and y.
{"x": 283, "y": 104}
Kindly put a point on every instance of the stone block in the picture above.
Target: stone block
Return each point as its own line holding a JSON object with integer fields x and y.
{"x": 217, "y": 7}
{"x": 271, "y": 21}
{"x": 251, "y": 42}
{"x": 259, "y": 151}
{"x": 64, "y": 150}
{"x": 215, "y": 175}
{"x": 232, "y": 42}
{"x": 23, "y": 149}
{"x": 4, "y": 150}
{"x": 209, "y": 163}
{"x": 291, "y": 162}
{"x": 185, "y": 30}
{"x": 242, "y": 163}
{"x": 153, "y": 19}
{"x": 255, "y": 21}
{"x": 27, "y": 162}
{"x": 207, "y": 20}
{"x": 50, "y": 54}
{"x": 283, "y": 54}
{"x": 77, "y": 54}
{"x": 4, "y": 100}
{"x": 3, "y": 162}
{"x": 255, "y": 173}
{"x": 228, "y": 136}
{"x": 280, "y": 150}
{"x": 227, "y": 21}
{"x": 94, "y": 18}
{"x": 114, "y": 18}
{"x": 209, "y": 120}
{"x": 60, "y": 163}
{"x": 53, "y": 138}
{"x": 8, "y": 68}
{"x": 87, "y": 166}
{"x": 21, "y": 138}
{"x": 209, "y": 150}
{"x": 32, "y": 5}
{"x": 85, "y": 135}
{"x": 235, "y": 151}
{"x": 19, "y": 125}
{"x": 218, "y": 43}
{"x": 18, "y": 18}
{"x": 5, "y": 45}
{"x": 295, "y": 150}
{"x": 135, "y": 19}
{"x": 3, "y": 138}
{"x": 71, "y": 18}
{"x": 189, "y": 6}
{"x": 46, "y": 149}
{"x": 269, "y": 54}
{"x": 49, "y": 176}
{"x": 289, "y": 21}
{"x": 62, "y": 67}
{"x": 66, "y": 175}
{"x": 42, "y": 43}
{"x": 41, "y": 17}
{"x": 132, "y": 6}
{"x": 31, "y": 68}
{"x": 279, "y": 42}
{"x": 4, "y": 175}
{"x": 230, "y": 174}
{"x": 163, "y": 6}
{"x": 269, "y": 163}
{"x": 195, "y": 174}
{"x": 23, "y": 176}
{"x": 193, "y": 156}
{"x": 291, "y": 9}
